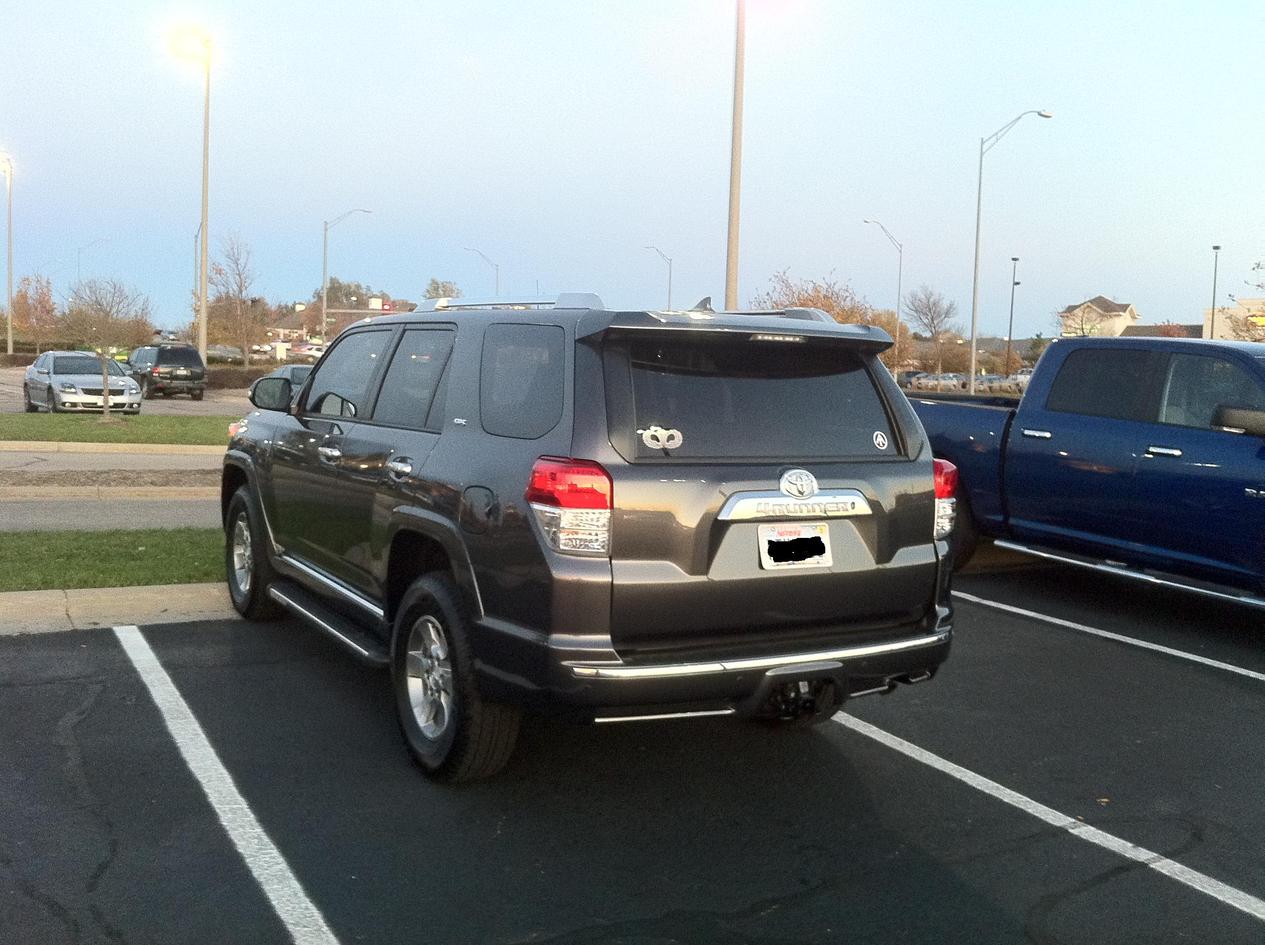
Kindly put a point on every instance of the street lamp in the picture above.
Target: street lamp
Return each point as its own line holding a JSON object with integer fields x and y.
{"x": 735, "y": 160}
{"x": 900, "y": 265}
{"x": 195, "y": 44}
{"x": 986, "y": 145}
{"x": 1010, "y": 327}
{"x": 1212, "y": 315}
{"x": 495, "y": 268}
{"x": 667, "y": 259}
{"x": 6, "y": 163}
{"x": 329, "y": 225}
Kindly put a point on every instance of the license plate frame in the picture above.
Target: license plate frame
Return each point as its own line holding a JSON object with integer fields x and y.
{"x": 767, "y": 536}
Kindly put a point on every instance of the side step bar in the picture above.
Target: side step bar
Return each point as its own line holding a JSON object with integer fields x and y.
{"x": 361, "y": 644}
{"x": 1229, "y": 595}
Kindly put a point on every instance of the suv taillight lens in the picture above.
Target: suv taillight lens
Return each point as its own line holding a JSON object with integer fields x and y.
{"x": 572, "y": 499}
{"x": 946, "y": 479}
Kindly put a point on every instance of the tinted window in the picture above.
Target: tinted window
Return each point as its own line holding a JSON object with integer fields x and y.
{"x": 299, "y": 373}
{"x": 181, "y": 357}
{"x": 728, "y": 399}
{"x": 521, "y": 385}
{"x": 83, "y": 364}
{"x": 1107, "y": 382}
{"x": 413, "y": 378}
{"x": 1197, "y": 385}
{"x": 341, "y": 385}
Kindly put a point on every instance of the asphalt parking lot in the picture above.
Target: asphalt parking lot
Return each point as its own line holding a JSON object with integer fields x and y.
{"x": 1052, "y": 784}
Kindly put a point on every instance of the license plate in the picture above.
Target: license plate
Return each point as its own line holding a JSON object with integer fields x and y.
{"x": 182, "y": 372}
{"x": 794, "y": 546}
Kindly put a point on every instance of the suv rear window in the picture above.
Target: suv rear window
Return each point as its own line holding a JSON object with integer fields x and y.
{"x": 743, "y": 400}
{"x": 183, "y": 357}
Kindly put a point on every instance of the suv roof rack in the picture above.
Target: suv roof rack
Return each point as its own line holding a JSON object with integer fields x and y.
{"x": 565, "y": 300}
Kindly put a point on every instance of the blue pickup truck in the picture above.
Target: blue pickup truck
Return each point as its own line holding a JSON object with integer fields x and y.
{"x": 1144, "y": 457}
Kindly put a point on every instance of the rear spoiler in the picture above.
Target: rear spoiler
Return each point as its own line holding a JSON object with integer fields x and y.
{"x": 792, "y": 325}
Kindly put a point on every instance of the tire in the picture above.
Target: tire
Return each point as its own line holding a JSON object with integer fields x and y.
{"x": 965, "y": 536}
{"x": 147, "y": 389}
{"x": 50, "y": 401}
{"x": 247, "y": 569}
{"x": 467, "y": 737}
{"x": 197, "y": 394}
{"x": 26, "y": 400}
{"x": 166, "y": 393}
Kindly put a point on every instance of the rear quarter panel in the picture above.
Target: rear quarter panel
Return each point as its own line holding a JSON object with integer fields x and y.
{"x": 972, "y": 436}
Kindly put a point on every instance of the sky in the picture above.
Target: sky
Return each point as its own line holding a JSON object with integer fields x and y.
{"x": 562, "y": 137}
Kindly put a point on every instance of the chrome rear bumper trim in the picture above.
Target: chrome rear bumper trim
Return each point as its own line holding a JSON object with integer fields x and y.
{"x": 663, "y": 715}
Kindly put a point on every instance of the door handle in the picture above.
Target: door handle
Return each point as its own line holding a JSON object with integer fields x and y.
{"x": 399, "y": 468}
{"x": 329, "y": 454}
{"x": 1162, "y": 451}
{"x": 1037, "y": 434}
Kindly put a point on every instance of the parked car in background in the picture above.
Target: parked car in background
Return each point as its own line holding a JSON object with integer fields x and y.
{"x": 906, "y": 379}
{"x": 225, "y": 354}
{"x": 306, "y": 350}
{"x": 618, "y": 516}
{"x": 70, "y": 381}
{"x": 168, "y": 369}
{"x": 940, "y": 382}
{"x": 1017, "y": 383}
{"x": 990, "y": 384}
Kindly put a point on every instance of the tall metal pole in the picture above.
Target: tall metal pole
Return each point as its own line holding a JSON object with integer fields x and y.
{"x": 206, "y": 176}
{"x": 8, "y": 265}
{"x": 1212, "y": 326}
{"x": 324, "y": 278}
{"x": 735, "y": 161}
{"x": 496, "y": 268}
{"x": 1010, "y": 328}
{"x": 979, "y": 202}
{"x": 667, "y": 259}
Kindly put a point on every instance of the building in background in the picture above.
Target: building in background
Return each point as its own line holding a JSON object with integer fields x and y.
{"x": 1098, "y": 316}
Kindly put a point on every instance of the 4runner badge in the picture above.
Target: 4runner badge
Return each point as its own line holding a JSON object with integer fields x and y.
{"x": 798, "y": 484}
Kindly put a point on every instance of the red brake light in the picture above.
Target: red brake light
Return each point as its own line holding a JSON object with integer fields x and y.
{"x": 569, "y": 484}
{"x": 946, "y": 476}
{"x": 155, "y": 372}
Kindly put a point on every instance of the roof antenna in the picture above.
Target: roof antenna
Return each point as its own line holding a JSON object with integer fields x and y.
{"x": 703, "y": 305}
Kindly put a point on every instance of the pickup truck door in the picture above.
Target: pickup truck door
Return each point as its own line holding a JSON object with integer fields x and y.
{"x": 1203, "y": 487}
{"x": 1072, "y": 452}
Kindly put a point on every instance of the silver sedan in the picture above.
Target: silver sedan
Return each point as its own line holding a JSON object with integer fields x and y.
{"x": 70, "y": 382}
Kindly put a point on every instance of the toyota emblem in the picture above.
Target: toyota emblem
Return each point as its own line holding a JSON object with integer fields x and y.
{"x": 798, "y": 484}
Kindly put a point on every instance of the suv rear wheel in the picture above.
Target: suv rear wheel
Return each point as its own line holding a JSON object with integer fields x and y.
{"x": 197, "y": 394}
{"x": 451, "y": 731}
{"x": 246, "y": 560}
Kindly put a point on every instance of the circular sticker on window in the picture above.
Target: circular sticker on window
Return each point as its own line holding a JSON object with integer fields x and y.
{"x": 880, "y": 439}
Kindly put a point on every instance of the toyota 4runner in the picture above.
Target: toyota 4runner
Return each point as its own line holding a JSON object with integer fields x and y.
{"x": 616, "y": 515}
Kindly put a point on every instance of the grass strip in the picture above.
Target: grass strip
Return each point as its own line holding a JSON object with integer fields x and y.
{"x": 155, "y": 428}
{"x": 41, "y": 561}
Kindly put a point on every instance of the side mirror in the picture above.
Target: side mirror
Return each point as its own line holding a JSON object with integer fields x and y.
{"x": 42, "y": 370}
{"x": 1239, "y": 420}
{"x": 271, "y": 393}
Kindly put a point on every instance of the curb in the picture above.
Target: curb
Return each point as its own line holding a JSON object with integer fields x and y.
{"x": 23, "y": 612}
{"x": 61, "y": 446}
{"x": 15, "y": 493}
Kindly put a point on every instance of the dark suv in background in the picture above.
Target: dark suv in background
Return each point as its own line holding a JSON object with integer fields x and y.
{"x": 168, "y": 369}
{"x": 616, "y": 515}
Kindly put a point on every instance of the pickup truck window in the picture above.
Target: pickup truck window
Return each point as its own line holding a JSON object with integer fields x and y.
{"x": 341, "y": 385}
{"x": 1107, "y": 382}
{"x": 1196, "y": 385}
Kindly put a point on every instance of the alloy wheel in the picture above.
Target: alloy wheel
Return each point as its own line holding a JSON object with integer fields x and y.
{"x": 429, "y": 672}
{"x": 243, "y": 557}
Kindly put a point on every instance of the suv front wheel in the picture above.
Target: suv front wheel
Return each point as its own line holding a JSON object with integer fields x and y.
{"x": 451, "y": 731}
{"x": 246, "y": 560}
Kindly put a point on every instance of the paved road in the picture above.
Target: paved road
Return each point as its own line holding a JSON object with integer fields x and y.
{"x": 23, "y": 515}
{"x": 46, "y": 462}
{"x": 1116, "y": 757}
{"x": 216, "y": 402}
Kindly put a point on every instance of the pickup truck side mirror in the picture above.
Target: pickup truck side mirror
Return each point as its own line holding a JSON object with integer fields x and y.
{"x": 271, "y": 393}
{"x": 1239, "y": 420}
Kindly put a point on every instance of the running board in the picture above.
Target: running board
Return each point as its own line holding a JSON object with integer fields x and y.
{"x": 1227, "y": 595}
{"x": 361, "y": 644}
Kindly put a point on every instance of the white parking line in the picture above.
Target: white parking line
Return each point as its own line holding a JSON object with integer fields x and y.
{"x": 1108, "y": 635}
{"x": 1197, "y": 881}
{"x": 300, "y": 916}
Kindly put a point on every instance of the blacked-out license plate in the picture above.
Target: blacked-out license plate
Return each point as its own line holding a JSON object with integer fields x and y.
{"x": 795, "y": 545}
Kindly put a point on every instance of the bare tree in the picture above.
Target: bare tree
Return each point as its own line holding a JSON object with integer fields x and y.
{"x": 834, "y": 298}
{"x": 934, "y": 315}
{"x": 105, "y": 312}
{"x": 235, "y": 314}
{"x": 34, "y": 311}
{"x": 1082, "y": 321}
{"x": 441, "y": 289}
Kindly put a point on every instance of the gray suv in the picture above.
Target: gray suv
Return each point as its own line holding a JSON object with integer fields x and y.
{"x": 615, "y": 516}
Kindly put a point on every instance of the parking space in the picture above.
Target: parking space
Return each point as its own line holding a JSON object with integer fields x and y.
{"x": 706, "y": 831}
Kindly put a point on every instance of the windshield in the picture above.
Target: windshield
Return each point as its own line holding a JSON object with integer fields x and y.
{"x": 84, "y": 364}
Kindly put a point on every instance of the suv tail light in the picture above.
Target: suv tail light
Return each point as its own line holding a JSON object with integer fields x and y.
{"x": 946, "y": 478}
{"x": 572, "y": 499}
{"x": 155, "y": 370}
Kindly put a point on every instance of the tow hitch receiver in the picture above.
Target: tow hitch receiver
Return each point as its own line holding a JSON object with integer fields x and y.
{"x": 803, "y": 692}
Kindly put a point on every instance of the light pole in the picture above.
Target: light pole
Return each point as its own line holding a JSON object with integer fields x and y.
{"x": 1212, "y": 314}
{"x": 495, "y": 268}
{"x": 7, "y": 163}
{"x": 667, "y": 259}
{"x": 1010, "y": 327}
{"x": 986, "y": 145}
{"x": 735, "y": 161}
{"x": 900, "y": 263}
{"x": 329, "y": 224}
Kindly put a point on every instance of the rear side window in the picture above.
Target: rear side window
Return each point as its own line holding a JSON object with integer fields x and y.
{"x": 181, "y": 357}
{"x": 723, "y": 399}
{"x": 340, "y": 386}
{"x": 413, "y": 380}
{"x": 521, "y": 382}
{"x": 1119, "y": 383}
{"x": 1197, "y": 385}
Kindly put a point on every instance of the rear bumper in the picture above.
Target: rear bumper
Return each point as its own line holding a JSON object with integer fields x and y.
{"x": 177, "y": 384}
